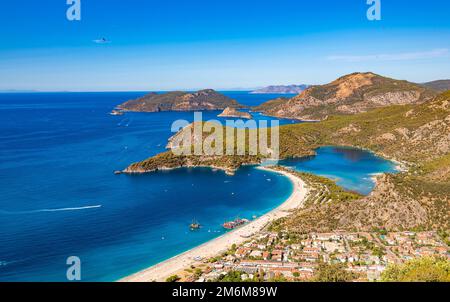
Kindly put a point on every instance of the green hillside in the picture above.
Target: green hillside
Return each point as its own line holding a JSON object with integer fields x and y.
{"x": 350, "y": 94}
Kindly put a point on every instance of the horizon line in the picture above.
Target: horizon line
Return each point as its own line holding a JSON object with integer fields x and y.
{"x": 131, "y": 90}
{"x": 177, "y": 89}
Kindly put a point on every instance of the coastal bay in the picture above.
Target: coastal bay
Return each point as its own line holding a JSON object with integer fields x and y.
{"x": 352, "y": 168}
{"x": 116, "y": 224}
{"x": 216, "y": 246}
{"x": 292, "y": 143}
{"x": 140, "y": 220}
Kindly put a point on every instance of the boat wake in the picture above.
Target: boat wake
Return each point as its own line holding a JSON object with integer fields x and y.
{"x": 51, "y": 210}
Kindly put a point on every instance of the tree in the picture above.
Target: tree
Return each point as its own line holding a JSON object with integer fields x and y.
{"x": 377, "y": 251}
{"x": 173, "y": 278}
{"x": 278, "y": 278}
{"x": 233, "y": 276}
{"x": 198, "y": 272}
{"x": 333, "y": 273}
{"x": 426, "y": 269}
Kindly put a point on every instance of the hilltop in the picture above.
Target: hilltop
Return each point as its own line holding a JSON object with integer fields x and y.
{"x": 207, "y": 99}
{"x": 281, "y": 89}
{"x": 350, "y": 94}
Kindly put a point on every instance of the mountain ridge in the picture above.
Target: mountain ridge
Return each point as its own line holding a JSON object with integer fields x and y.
{"x": 439, "y": 85}
{"x": 349, "y": 94}
{"x": 207, "y": 99}
{"x": 281, "y": 89}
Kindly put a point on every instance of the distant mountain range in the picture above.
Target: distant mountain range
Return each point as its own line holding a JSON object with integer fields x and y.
{"x": 281, "y": 89}
{"x": 350, "y": 94}
{"x": 18, "y": 91}
{"x": 440, "y": 85}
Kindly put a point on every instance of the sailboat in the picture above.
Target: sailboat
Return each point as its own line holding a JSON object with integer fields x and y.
{"x": 194, "y": 225}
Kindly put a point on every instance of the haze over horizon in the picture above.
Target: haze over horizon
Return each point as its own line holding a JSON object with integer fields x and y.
{"x": 157, "y": 46}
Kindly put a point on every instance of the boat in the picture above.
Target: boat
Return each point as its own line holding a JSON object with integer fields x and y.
{"x": 231, "y": 225}
{"x": 116, "y": 112}
{"x": 194, "y": 225}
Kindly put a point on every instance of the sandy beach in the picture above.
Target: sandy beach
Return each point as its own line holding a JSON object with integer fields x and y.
{"x": 161, "y": 271}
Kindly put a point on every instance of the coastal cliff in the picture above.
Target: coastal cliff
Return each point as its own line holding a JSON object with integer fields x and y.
{"x": 207, "y": 99}
{"x": 350, "y": 94}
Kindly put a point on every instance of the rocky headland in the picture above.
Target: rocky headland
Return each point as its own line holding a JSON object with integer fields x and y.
{"x": 233, "y": 112}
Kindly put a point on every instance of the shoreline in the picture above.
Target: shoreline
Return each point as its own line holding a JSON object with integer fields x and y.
{"x": 212, "y": 248}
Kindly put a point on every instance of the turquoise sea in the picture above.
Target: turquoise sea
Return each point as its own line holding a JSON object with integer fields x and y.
{"x": 60, "y": 198}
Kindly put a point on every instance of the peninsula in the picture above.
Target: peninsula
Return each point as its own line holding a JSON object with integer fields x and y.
{"x": 207, "y": 99}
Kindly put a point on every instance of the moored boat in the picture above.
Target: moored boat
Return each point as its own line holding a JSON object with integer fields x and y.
{"x": 230, "y": 225}
{"x": 116, "y": 112}
{"x": 194, "y": 225}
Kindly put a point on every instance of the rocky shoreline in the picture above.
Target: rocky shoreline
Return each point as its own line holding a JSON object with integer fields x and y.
{"x": 131, "y": 171}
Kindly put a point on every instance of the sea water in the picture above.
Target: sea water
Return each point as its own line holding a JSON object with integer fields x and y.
{"x": 60, "y": 197}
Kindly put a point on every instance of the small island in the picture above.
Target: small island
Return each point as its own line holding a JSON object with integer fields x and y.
{"x": 232, "y": 112}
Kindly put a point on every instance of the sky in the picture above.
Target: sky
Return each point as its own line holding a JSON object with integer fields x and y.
{"x": 224, "y": 45}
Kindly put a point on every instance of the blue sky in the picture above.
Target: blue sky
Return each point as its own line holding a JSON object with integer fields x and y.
{"x": 179, "y": 44}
